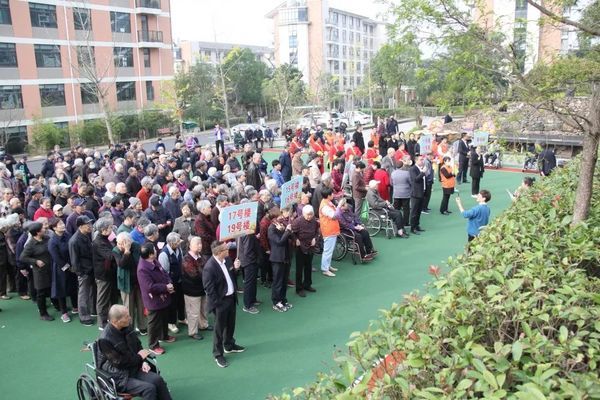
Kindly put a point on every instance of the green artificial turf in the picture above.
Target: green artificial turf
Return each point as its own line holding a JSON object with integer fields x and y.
{"x": 284, "y": 350}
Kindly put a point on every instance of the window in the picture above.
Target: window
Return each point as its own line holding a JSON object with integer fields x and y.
{"x": 293, "y": 37}
{"x": 120, "y": 22}
{"x": 82, "y": 19}
{"x": 42, "y": 15}
{"x": 5, "y": 13}
{"x": 8, "y": 55}
{"x": 125, "y": 91}
{"x": 149, "y": 91}
{"x": 86, "y": 55}
{"x": 123, "y": 57}
{"x": 47, "y": 56}
{"x": 52, "y": 95}
{"x": 293, "y": 15}
{"x": 10, "y": 97}
{"x": 62, "y": 125}
{"x": 16, "y": 138}
{"x": 88, "y": 93}
{"x": 146, "y": 53}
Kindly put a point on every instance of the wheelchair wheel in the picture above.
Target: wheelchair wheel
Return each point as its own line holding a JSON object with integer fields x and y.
{"x": 340, "y": 249}
{"x": 88, "y": 389}
{"x": 373, "y": 224}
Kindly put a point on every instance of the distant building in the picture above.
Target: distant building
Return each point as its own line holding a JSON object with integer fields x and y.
{"x": 191, "y": 52}
{"x": 319, "y": 39}
{"x": 45, "y": 42}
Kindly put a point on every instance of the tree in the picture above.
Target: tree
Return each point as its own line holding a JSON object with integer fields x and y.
{"x": 286, "y": 88}
{"x": 245, "y": 74}
{"x": 46, "y": 135}
{"x": 545, "y": 88}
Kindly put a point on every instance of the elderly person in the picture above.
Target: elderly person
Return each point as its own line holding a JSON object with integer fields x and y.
{"x": 170, "y": 259}
{"x": 156, "y": 288}
{"x": 36, "y": 254}
{"x": 160, "y": 216}
{"x": 173, "y": 201}
{"x": 7, "y": 257}
{"x": 145, "y": 192}
{"x": 80, "y": 254}
{"x": 359, "y": 189}
{"x": 317, "y": 196}
{"x": 184, "y": 225}
{"x": 127, "y": 257}
{"x": 105, "y": 270}
{"x": 376, "y": 203}
{"x": 305, "y": 229}
{"x": 193, "y": 290}
{"x": 279, "y": 255}
{"x": 64, "y": 282}
{"x": 350, "y": 222}
{"x": 314, "y": 174}
{"x": 120, "y": 355}
{"x": 402, "y": 188}
{"x": 330, "y": 230}
{"x": 204, "y": 228}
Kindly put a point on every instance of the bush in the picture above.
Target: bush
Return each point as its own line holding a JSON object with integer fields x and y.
{"x": 517, "y": 317}
{"x": 46, "y": 135}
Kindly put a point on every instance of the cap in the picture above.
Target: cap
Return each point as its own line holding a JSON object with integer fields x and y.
{"x": 80, "y": 201}
{"x": 57, "y": 207}
{"x": 36, "y": 190}
{"x": 84, "y": 220}
{"x": 63, "y": 186}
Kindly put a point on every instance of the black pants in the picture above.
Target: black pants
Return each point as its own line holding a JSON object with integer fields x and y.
{"x": 42, "y": 294}
{"x": 24, "y": 284}
{"x": 416, "y": 206}
{"x": 364, "y": 242}
{"x": 219, "y": 143}
{"x": 224, "y": 326}
{"x": 6, "y": 279}
{"x": 279, "y": 287}
{"x": 177, "y": 307}
{"x": 270, "y": 140}
{"x": 397, "y": 219}
{"x": 157, "y": 326}
{"x": 463, "y": 166}
{"x": 250, "y": 282}
{"x": 445, "y": 201}
{"x": 261, "y": 144}
{"x": 266, "y": 271}
{"x": 427, "y": 195}
{"x": 148, "y": 386}
{"x": 475, "y": 185}
{"x": 404, "y": 205}
{"x": 303, "y": 270}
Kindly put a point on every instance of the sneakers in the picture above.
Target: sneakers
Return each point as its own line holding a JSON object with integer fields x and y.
{"x": 5, "y": 297}
{"x": 424, "y": 212}
{"x": 279, "y": 308}
{"x": 142, "y": 332}
{"x": 289, "y": 306}
{"x": 182, "y": 321}
{"x": 221, "y": 362}
{"x": 235, "y": 349}
{"x": 208, "y": 328}
{"x": 75, "y": 311}
{"x": 367, "y": 258}
{"x": 173, "y": 328}
{"x": 328, "y": 273}
{"x": 65, "y": 318}
{"x": 251, "y": 310}
{"x": 257, "y": 303}
{"x": 158, "y": 351}
{"x": 47, "y": 318}
{"x": 87, "y": 322}
{"x": 25, "y": 297}
{"x": 197, "y": 336}
{"x": 333, "y": 269}
{"x": 311, "y": 289}
{"x": 290, "y": 283}
{"x": 170, "y": 339}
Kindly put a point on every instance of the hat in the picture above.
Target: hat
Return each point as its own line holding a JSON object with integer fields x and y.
{"x": 36, "y": 190}
{"x": 57, "y": 207}
{"x": 63, "y": 186}
{"x": 84, "y": 220}
{"x": 80, "y": 201}
{"x": 172, "y": 159}
{"x": 134, "y": 201}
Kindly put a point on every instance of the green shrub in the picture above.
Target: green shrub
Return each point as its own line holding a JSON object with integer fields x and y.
{"x": 46, "y": 135}
{"x": 516, "y": 317}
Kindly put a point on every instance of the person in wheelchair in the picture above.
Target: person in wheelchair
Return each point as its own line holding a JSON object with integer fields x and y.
{"x": 349, "y": 221}
{"x": 492, "y": 154}
{"x": 121, "y": 356}
{"x": 377, "y": 204}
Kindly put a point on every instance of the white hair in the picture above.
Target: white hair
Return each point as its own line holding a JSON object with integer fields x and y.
{"x": 124, "y": 237}
{"x": 307, "y": 210}
{"x": 109, "y": 185}
{"x": 173, "y": 189}
{"x": 173, "y": 238}
{"x": 202, "y": 204}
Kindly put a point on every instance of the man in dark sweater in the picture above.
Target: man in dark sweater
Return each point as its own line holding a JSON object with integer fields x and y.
{"x": 417, "y": 176}
{"x": 80, "y": 252}
{"x": 305, "y": 229}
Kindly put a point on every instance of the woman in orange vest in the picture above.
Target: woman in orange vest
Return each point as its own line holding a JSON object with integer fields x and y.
{"x": 330, "y": 230}
{"x": 352, "y": 151}
{"x": 447, "y": 178}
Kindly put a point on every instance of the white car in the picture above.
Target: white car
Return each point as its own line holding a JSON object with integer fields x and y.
{"x": 324, "y": 119}
{"x": 358, "y": 117}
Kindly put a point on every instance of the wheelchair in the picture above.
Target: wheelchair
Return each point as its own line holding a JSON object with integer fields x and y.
{"x": 531, "y": 163}
{"x": 375, "y": 221}
{"x": 497, "y": 157}
{"x": 345, "y": 243}
{"x": 95, "y": 384}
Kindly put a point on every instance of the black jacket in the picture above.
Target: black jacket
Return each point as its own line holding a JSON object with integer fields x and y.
{"x": 253, "y": 176}
{"x": 38, "y": 250}
{"x": 117, "y": 354}
{"x": 286, "y": 165}
{"x": 80, "y": 251}
{"x": 105, "y": 266}
{"x": 247, "y": 250}
{"x": 215, "y": 284}
{"x": 279, "y": 243}
{"x": 463, "y": 150}
{"x": 417, "y": 178}
{"x": 477, "y": 166}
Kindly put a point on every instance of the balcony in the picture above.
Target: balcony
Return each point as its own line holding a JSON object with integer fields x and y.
{"x": 150, "y": 38}
{"x": 148, "y": 7}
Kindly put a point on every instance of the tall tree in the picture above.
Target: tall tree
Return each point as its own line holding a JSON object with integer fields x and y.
{"x": 286, "y": 88}
{"x": 245, "y": 74}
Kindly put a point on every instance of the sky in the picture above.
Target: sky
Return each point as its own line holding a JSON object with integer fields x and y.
{"x": 241, "y": 21}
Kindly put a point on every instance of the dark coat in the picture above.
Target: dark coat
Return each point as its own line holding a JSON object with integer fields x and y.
{"x": 359, "y": 140}
{"x": 215, "y": 284}
{"x": 253, "y": 176}
{"x": 463, "y": 150}
{"x": 59, "y": 250}
{"x": 279, "y": 244}
{"x": 117, "y": 354}
{"x": 207, "y": 232}
{"x": 418, "y": 183}
{"x": 38, "y": 250}
{"x": 80, "y": 252}
{"x": 477, "y": 166}
{"x": 248, "y": 250}
{"x": 153, "y": 281}
{"x": 105, "y": 267}
{"x": 191, "y": 278}
{"x": 286, "y": 165}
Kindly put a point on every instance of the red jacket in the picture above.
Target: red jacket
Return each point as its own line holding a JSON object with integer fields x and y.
{"x": 381, "y": 175}
{"x": 265, "y": 222}
{"x": 40, "y": 212}
{"x": 144, "y": 197}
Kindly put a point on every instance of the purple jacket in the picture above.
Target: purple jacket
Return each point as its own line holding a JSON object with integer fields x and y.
{"x": 153, "y": 281}
{"x": 347, "y": 219}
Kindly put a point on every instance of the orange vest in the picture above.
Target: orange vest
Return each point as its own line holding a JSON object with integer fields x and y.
{"x": 329, "y": 226}
{"x": 447, "y": 183}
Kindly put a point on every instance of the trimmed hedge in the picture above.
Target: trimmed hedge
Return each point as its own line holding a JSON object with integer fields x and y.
{"x": 517, "y": 317}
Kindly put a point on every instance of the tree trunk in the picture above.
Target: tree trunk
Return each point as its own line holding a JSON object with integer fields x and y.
{"x": 589, "y": 157}
{"x": 225, "y": 101}
{"x": 106, "y": 116}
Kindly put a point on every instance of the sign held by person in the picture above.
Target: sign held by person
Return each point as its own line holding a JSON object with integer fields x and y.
{"x": 425, "y": 144}
{"x": 238, "y": 220}
{"x": 481, "y": 138}
{"x": 291, "y": 191}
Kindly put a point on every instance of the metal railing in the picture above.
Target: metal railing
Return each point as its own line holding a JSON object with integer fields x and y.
{"x": 148, "y": 4}
{"x": 150, "y": 36}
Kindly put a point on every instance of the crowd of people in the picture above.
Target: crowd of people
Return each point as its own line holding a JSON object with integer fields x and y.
{"x": 141, "y": 228}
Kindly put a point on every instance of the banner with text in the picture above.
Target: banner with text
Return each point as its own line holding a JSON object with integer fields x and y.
{"x": 238, "y": 220}
{"x": 291, "y": 191}
{"x": 480, "y": 138}
{"x": 425, "y": 144}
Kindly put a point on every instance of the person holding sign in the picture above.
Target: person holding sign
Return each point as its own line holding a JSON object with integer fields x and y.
{"x": 477, "y": 169}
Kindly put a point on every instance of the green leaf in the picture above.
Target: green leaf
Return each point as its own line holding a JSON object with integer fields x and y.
{"x": 563, "y": 334}
{"x": 517, "y": 350}
{"x": 479, "y": 351}
{"x": 490, "y": 379}
{"x": 415, "y": 362}
{"x": 549, "y": 373}
{"x": 515, "y": 284}
{"x": 464, "y": 384}
{"x": 492, "y": 290}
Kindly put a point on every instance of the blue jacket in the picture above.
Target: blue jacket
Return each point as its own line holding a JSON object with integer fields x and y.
{"x": 478, "y": 216}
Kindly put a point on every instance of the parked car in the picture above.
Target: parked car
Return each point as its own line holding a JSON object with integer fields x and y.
{"x": 325, "y": 119}
{"x": 358, "y": 117}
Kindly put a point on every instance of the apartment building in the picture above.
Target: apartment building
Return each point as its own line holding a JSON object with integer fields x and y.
{"x": 319, "y": 39}
{"x": 50, "y": 51}
{"x": 190, "y": 52}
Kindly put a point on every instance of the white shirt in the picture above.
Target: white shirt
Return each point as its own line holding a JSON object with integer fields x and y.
{"x": 227, "y": 276}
